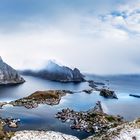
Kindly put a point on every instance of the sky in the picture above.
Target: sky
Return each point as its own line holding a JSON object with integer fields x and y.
{"x": 96, "y": 36}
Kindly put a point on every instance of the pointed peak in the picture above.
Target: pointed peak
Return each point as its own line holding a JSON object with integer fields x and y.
{"x": 53, "y": 63}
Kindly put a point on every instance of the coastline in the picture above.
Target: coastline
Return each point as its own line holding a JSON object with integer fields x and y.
{"x": 88, "y": 91}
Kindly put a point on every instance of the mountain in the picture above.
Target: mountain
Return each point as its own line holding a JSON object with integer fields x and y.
{"x": 8, "y": 75}
{"x": 58, "y": 73}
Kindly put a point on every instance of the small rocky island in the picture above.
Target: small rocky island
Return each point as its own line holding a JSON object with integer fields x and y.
{"x": 55, "y": 72}
{"x": 108, "y": 93}
{"x": 50, "y": 97}
{"x": 93, "y": 120}
{"x": 8, "y": 75}
{"x": 94, "y": 84}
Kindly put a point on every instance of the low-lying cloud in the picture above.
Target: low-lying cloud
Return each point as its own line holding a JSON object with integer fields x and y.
{"x": 102, "y": 43}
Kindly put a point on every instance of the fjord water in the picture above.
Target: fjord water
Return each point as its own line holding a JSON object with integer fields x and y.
{"x": 42, "y": 117}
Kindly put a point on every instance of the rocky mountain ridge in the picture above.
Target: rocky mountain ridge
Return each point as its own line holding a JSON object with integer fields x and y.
{"x": 8, "y": 75}
{"x": 55, "y": 72}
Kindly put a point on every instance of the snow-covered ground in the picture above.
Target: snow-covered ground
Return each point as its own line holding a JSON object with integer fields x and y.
{"x": 130, "y": 134}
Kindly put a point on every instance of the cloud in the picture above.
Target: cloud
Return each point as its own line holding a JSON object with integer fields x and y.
{"x": 126, "y": 17}
{"x": 97, "y": 38}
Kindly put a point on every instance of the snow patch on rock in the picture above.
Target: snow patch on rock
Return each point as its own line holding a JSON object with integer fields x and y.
{"x": 41, "y": 135}
{"x": 130, "y": 134}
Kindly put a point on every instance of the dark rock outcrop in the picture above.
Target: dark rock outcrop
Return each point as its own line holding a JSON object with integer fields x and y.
{"x": 94, "y": 84}
{"x": 89, "y": 91}
{"x": 108, "y": 93}
{"x": 134, "y": 95}
{"x": 55, "y": 72}
{"x": 8, "y": 75}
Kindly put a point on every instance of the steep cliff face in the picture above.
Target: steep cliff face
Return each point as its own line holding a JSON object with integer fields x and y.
{"x": 8, "y": 75}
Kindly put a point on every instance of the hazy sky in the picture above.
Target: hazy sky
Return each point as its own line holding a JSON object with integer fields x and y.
{"x": 97, "y": 36}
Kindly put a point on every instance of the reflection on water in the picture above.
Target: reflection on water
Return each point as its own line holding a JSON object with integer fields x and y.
{"x": 42, "y": 118}
{"x": 33, "y": 84}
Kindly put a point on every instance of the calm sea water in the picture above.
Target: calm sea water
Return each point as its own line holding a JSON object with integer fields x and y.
{"x": 42, "y": 118}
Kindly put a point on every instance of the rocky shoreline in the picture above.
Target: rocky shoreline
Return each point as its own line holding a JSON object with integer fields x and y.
{"x": 103, "y": 126}
{"x": 49, "y": 97}
{"x": 4, "y": 135}
{"x": 28, "y": 135}
{"x": 124, "y": 131}
{"x": 93, "y": 120}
